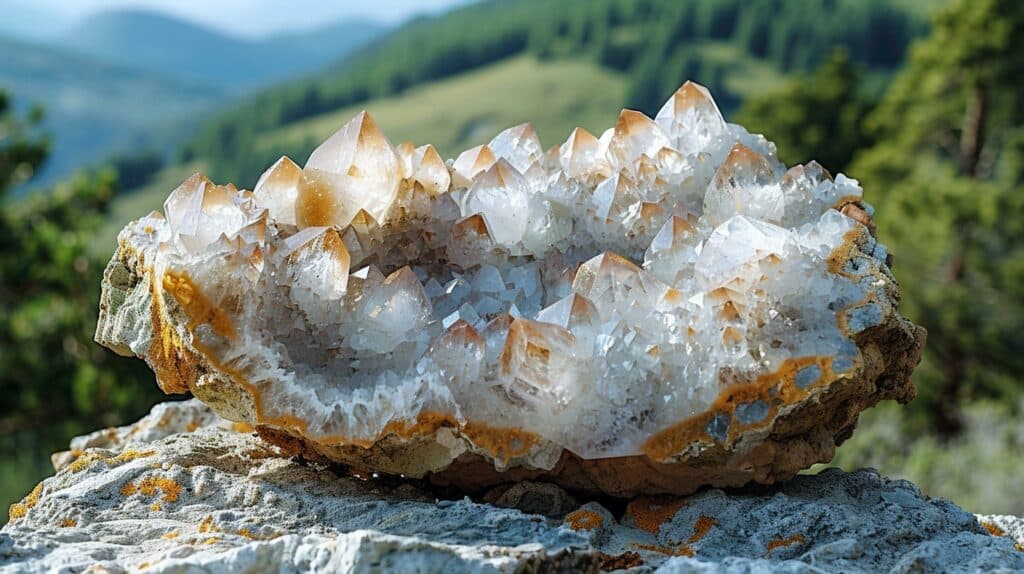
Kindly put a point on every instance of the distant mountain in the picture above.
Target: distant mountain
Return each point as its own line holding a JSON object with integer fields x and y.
{"x": 328, "y": 43}
{"x": 94, "y": 107}
{"x": 169, "y": 46}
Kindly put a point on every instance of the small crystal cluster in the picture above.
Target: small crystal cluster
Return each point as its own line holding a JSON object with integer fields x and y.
{"x": 668, "y": 291}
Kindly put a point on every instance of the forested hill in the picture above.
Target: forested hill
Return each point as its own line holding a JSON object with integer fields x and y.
{"x": 736, "y": 47}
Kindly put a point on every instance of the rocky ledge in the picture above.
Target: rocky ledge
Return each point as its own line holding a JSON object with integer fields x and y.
{"x": 184, "y": 491}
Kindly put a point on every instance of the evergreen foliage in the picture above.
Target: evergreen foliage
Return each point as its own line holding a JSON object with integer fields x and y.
{"x": 815, "y": 117}
{"x": 54, "y": 381}
{"x": 948, "y": 178}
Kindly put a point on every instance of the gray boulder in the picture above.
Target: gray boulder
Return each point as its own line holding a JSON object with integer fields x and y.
{"x": 183, "y": 491}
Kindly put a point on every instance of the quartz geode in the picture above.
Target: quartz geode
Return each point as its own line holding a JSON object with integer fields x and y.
{"x": 653, "y": 310}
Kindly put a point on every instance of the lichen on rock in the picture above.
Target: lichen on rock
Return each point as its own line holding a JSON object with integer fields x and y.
{"x": 239, "y": 506}
{"x": 662, "y": 307}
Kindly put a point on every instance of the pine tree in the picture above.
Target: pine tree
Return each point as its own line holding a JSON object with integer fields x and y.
{"x": 55, "y": 382}
{"x": 947, "y": 176}
{"x": 815, "y": 117}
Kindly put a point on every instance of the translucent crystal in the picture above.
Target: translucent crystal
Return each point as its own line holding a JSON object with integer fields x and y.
{"x": 518, "y": 145}
{"x": 355, "y": 169}
{"x": 500, "y": 195}
{"x": 691, "y": 118}
{"x": 470, "y": 163}
{"x": 745, "y": 184}
{"x": 662, "y": 295}
{"x": 278, "y": 188}
{"x": 581, "y": 156}
{"x": 635, "y": 136}
{"x": 429, "y": 170}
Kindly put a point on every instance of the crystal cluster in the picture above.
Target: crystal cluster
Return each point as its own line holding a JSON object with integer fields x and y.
{"x": 651, "y": 310}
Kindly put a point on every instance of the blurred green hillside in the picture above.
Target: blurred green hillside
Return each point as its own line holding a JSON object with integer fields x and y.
{"x": 835, "y": 80}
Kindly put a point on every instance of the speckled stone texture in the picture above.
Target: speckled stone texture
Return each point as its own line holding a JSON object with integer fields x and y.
{"x": 182, "y": 491}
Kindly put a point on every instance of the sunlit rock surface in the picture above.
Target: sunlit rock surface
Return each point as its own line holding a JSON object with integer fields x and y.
{"x": 181, "y": 491}
{"x": 658, "y": 308}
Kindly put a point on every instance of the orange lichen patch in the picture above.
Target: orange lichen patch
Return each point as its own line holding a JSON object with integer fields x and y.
{"x": 783, "y": 542}
{"x": 242, "y": 427}
{"x": 683, "y": 550}
{"x": 170, "y": 535}
{"x": 650, "y": 512}
{"x": 20, "y": 509}
{"x": 197, "y": 306}
{"x": 213, "y": 540}
{"x": 129, "y": 455}
{"x": 584, "y": 519}
{"x": 82, "y": 462}
{"x": 192, "y": 426}
{"x": 993, "y": 529}
{"x": 777, "y": 389}
{"x": 207, "y": 525}
{"x": 68, "y": 523}
{"x": 701, "y": 528}
{"x": 155, "y": 507}
{"x": 149, "y": 486}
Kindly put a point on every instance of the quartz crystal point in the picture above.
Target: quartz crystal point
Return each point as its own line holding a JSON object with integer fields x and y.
{"x": 662, "y": 307}
{"x": 355, "y": 169}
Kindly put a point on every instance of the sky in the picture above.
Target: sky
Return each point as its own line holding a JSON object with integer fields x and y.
{"x": 252, "y": 17}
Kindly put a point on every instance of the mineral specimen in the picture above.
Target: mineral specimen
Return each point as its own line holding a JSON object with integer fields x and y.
{"x": 652, "y": 310}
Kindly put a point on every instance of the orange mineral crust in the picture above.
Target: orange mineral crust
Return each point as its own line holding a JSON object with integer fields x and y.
{"x": 657, "y": 308}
